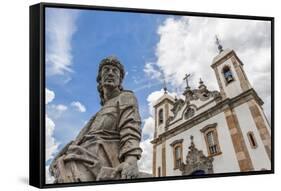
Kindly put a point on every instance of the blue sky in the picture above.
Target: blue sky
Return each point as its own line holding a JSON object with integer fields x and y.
{"x": 151, "y": 47}
{"x": 96, "y": 34}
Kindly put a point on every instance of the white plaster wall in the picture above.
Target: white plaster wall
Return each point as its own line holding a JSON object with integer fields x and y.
{"x": 200, "y": 103}
{"x": 258, "y": 155}
{"x": 158, "y": 158}
{"x": 233, "y": 88}
{"x": 226, "y": 162}
{"x": 206, "y": 107}
{"x": 265, "y": 119}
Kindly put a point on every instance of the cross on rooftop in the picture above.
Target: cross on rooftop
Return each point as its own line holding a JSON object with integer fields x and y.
{"x": 219, "y": 44}
{"x": 186, "y": 80}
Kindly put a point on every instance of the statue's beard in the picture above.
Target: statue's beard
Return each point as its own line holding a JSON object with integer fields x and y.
{"x": 110, "y": 85}
{"x": 110, "y": 82}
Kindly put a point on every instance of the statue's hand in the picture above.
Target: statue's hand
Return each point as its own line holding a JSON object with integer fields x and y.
{"x": 128, "y": 169}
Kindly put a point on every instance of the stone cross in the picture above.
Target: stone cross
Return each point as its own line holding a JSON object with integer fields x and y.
{"x": 218, "y": 43}
{"x": 186, "y": 80}
{"x": 192, "y": 145}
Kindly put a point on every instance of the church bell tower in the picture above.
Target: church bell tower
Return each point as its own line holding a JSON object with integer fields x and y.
{"x": 229, "y": 72}
{"x": 234, "y": 85}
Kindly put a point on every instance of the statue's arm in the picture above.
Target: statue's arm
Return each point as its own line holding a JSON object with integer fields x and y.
{"x": 129, "y": 127}
{"x": 130, "y": 136}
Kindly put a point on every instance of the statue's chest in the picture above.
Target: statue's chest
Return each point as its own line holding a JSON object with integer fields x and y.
{"x": 106, "y": 119}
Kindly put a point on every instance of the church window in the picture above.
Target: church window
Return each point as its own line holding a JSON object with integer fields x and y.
{"x": 252, "y": 140}
{"x": 160, "y": 117}
{"x": 227, "y": 74}
{"x": 213, "y": 147}
{"x": 177, "y": 153}
{"x": 178, "y": 158}
{"x": 211, "y": 139}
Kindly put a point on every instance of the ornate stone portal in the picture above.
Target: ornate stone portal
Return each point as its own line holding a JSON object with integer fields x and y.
{"x": 108, "y": 146}
{"x": 196, "y": 162}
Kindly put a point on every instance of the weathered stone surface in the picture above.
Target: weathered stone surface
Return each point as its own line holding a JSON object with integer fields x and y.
{"x": 108, "y": 146}
{"x": 196, "y": 161}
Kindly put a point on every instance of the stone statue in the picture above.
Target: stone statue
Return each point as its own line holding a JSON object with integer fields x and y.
{"x": 108, "y": 146}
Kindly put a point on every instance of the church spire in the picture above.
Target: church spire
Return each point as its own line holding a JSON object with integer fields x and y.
{"x": 192, "y": 145}
{"x": 176, "y": 90}
{"x": 201, "y": 84}
{"x": 200, "y": 81}
{"x": 219, "y": 44}
{"x": 165, "y": 87}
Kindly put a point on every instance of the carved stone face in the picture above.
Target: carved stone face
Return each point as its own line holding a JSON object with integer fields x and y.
{"x": 110, "y": 76}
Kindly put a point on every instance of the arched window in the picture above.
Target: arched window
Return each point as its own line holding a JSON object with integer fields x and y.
{"x": 211, "y": 138}
{"x": 213, "y": 147}
{"x": 227, "y": 74}
{"x": 177, "y": 151}
{"x": 160, "y": 117}
{"x": 178, "y": 158}
{"x": 252, "y": 140}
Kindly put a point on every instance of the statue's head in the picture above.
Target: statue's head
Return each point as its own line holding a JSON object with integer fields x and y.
{"x": 111, "y": 74}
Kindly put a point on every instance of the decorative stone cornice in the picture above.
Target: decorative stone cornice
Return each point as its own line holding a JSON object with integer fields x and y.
{"x": 179, "y": 141}
{"x": 165, "y": 97}
{"x": 207, "y": 127}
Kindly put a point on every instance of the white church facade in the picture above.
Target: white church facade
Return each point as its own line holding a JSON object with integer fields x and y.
{"x": 212, "y": 131}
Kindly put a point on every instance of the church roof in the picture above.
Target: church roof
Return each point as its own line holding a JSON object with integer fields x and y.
{"x": 221, "y": 55}
{"x": 163, "y": 97}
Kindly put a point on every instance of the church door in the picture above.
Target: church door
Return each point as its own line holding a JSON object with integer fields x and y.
{"x": 198, "y": 172}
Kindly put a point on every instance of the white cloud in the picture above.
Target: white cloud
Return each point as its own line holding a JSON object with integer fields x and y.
{"x": 151, "y": 71}
{"x": 49, "y": 178}
{"x": 50, "y": 95}
{"x": 148, "y": 127}
{"x": 78, "y": 106}
{"x": 154, "y": 96}
{"x": 56, "y": 111}
{"x": 187, "y": 45}
{"x": 145, "y": 163}
{"x": 51, "y": 144}
{"x": 60, "y": 28}
{"x": 58, "y": 108}
{"x": 61, "y": 107}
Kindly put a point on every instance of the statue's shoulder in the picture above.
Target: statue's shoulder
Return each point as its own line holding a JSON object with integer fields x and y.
{"x": 127, "y": 97}
{"x": 127, "y": 92}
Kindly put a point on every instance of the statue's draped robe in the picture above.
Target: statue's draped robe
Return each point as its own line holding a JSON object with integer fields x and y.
{"x": 109, "y": 136}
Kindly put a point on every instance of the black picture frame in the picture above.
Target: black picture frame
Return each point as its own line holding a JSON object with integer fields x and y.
{"x": 37, "y": 93}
